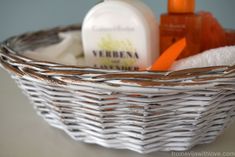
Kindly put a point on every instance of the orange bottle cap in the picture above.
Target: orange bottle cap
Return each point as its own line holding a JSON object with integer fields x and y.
{"x": 181, "y": 6}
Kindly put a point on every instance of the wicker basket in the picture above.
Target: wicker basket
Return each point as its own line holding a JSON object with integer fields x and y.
{"x": 140, "y": 111}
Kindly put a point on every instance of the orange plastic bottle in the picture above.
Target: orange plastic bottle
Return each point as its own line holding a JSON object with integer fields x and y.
{"x": 202, "y": 30}
{"x": 179, "y": 22}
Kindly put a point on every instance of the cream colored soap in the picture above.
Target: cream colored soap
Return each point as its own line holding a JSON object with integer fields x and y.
{"x": 120, "y": 34}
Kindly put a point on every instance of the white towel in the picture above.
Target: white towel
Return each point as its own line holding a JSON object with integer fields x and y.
{"x": 214, "y": 57}
{"x": 68, "y": 51}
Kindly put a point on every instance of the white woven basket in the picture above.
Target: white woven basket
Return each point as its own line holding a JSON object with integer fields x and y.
{"x": 141, "y": 111}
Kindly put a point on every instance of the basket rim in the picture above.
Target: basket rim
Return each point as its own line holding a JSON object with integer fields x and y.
{"x": 22, "y": 66}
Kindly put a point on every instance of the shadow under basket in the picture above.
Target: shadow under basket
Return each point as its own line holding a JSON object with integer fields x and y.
{"x": 140, "y": 111}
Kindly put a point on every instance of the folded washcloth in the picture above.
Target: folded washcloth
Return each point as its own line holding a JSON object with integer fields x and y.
{"x": 214, "y": 57}
{"x": 68, "y": 51}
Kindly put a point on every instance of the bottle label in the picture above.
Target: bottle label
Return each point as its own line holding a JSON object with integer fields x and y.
{"x": 115, "y": 54}
{"x": 173, "y": 32}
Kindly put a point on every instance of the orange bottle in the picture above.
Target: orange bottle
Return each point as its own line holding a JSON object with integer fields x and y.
{"x": 202, "y": 30}
{"x": 179, "y": 22}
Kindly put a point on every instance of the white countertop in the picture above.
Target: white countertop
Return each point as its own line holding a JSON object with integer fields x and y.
{"x": 24, "y": 134}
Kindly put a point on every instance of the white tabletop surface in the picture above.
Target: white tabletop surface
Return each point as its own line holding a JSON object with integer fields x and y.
{"x": 24, "y": 134}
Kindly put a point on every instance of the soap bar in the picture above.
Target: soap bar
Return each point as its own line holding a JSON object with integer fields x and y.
{"x": 230, "y": 36}
{"x": 213, "y": 35}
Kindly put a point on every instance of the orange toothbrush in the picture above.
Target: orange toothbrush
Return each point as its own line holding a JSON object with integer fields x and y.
{"x": 168, "y": 57}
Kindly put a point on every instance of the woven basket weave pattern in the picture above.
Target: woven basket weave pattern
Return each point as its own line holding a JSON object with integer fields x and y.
{"x": 140, "y": 111}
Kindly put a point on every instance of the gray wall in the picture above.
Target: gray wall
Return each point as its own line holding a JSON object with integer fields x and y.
{"x": 18, "y": 16}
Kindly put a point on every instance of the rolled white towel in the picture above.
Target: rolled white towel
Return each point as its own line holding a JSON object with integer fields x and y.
{"x": 214, "y": 57}
{"x": 69, "y": 51}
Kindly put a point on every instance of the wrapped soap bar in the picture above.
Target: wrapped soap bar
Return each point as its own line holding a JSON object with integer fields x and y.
{"x": 230, "y": 35}
{"x": 213, "y": 35}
